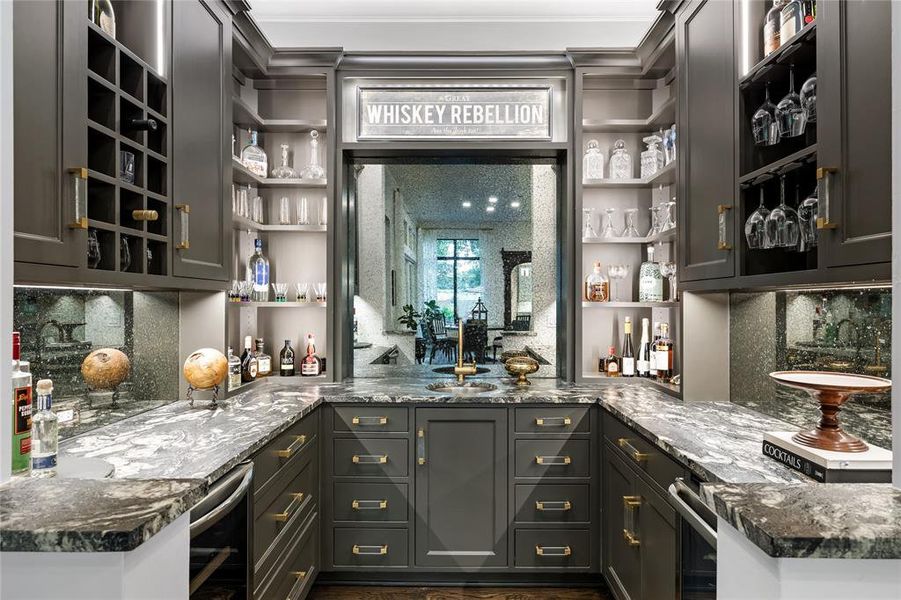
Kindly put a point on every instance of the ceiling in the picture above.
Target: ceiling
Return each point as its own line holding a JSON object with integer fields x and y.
{"x": 434, "y": 193}
{"x": 454, "y": 25}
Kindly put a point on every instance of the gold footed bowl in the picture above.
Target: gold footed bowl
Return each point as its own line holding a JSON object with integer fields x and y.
{"x": 519, "y": 367}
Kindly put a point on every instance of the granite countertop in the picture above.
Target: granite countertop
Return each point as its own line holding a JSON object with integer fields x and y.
{"x": 834, "y": 520}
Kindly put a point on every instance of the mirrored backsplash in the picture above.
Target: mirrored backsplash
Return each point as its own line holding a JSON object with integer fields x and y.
{"x": 825, "y": 330}
{"x": 61, "y": 327}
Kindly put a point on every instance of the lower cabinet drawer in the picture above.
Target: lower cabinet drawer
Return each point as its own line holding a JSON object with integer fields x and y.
{"x": 552, "y": 503}
{"x": 553, "y": 548}
{"x": 370, "y": 502}
{"x": 553, "y": 419}
{"x": 553, "y": 458}
{"x": 293, "y": 578}
{"x": 641, "y": 453}
{"x": 370, "y": 547}
{"x": 284, "y": 450}
{"x": 371, "y": 419}
{"x": 370, "y": 457}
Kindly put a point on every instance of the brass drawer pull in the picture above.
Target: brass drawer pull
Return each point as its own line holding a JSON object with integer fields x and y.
{"x": 554, "y": 461}
{"x": 79, "y": 197}
{"x": 631, "y": 538}
{"x": 300, "y": 580}
{"x": 548, "y": 505}
{"x": 296, "y": 501}
{"x": 824, "y": 189}
{"x": 369, "y": 421}
{"x": 184, "y": 220}
{"x": 370, "y": 550}
{"x": 369, "y": 504}
{"x": 370, "y": 459}
{"x": 630, "y": 510}
{"x": 636, "y": 454}
{"x": 553, "y": 421}
{"x": 554, "y": 551}
{"x": 722, "y": 235}
{"x": 420, "y": 446}
{"x": 299, "y": 441}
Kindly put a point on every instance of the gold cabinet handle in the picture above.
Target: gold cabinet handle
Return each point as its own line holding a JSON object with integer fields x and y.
{"x": 630, "y": 508}
{"x": 631, "y": 538}
{"x": 299, "y": 574}
{"x": 369, "y": 505}
{"x": 634, "y": 452}
{"x": 296, "y": 501}
{"x": 300, "y": 580}
{"x": 370, "y": 550}
{"x": 554, "y": 461}
{"x": 824, "y": 193}
{"x": 184, "y": 220}
{"x": 145, "y": 215}
{"x": 553, "y": 551}
{"x": 553, "y": 421}
{"x": 553, "y": 505}
{"x": 369, "y": 421}
{"x": 369, "y": 459}
{"x": 299, "y": 441}
{"x": 722, "y": 236}
{"x": 420, "y": 446}
{"x": 80, "y": 198}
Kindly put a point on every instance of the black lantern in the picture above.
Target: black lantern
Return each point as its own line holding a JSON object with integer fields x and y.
{"x": 479, "y": 311}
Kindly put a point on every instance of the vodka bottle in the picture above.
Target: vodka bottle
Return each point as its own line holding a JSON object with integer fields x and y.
{"x": 234, "y": 370}
{"x": 44, "y": 433}
{"x": 650, "y": 281}
{"x": 259, "y": 273}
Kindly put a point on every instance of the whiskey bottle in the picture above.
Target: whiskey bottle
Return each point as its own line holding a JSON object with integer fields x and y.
{"x": 664, "y": 354}
{"x": 259, "y": 273}
{"x": 44, "y": 433}
{"x": 791, "y": 20}
{"x": 264, "y": 361}
{"x": 611, "y": 363}
{"x": 21, "y": 406}
{"x": 643, "y": 363}
{"x": 628, "y": 360}
{"x": 311, "y": 365}
{"x": 597, "y": 288}
{"x": 286, "y": 360}
{"x": 234, "y": 370}
{"x": 771, "y": 28}
{"x": 248, "y": 361}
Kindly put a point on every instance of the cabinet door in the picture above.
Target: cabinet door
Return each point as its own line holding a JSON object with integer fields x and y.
{"x": 706, "y": 123}
{"x": 854, "y": 132}
{"x": 622, "y": 559}
{"x": 461, "y": 487}
{"x": 49, "y": 112}
{"x": 201, "y": 117}
{"x": 658, "y": 533}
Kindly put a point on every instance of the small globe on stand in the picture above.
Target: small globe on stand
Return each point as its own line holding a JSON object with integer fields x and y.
{"x": 205, "y": 369}
{"x": 104, "y": 370}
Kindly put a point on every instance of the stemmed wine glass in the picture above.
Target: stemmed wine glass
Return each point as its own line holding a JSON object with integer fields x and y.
{"x": 588, "y": 231}
{"x": 755, "y": 227}
{"x": 609, "y": 231}
{"x": 617, "y": 273}
{"x": 669, "y": 219}
{"x": 630, "y": 230}
{"x": 808, "y": 98}
{"x": 763, "y": 123}
{"x": 789, "y": 113}
{"x": 94, "y": 255}
{"x": 124, "y": 253}
{"x": 655, "y": 221}
{"x": 782, "y": 227}
{"x": 807, "y": 216}
{"x": 668, "y": 270}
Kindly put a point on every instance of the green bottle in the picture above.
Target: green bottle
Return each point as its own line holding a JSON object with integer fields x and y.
{"x": 21, "y": 388}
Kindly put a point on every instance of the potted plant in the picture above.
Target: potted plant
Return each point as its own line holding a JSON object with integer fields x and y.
{"x": 431, "y": 311}
{"x": 408, "y": 319}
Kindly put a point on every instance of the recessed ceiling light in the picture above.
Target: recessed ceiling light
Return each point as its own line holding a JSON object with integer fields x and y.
{"x": 514, "y": 204}
{"x": 492, "y": 199}
{"x": 467, "y": 204}
{"x": 490, "y": 208}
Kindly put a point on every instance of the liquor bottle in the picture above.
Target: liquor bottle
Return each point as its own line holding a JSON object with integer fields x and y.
{"x": 771, "y": 26}
{"x": 650, "y": 282}
{"x": 664, "y": 354}
{"x": 593, "y": 162}
{"x": 628, "y": 360}
{"x": 142, "y": 125}
{"x": 311, "y": 366}
{"x": 313, "y": 170}
{"x": 611, "y": 363}
{"x": 44, "y": 433}
{"x": 264, "y": 361}
{"x": 652, "y": 366}
{"x": 234, "y": 370}
{"x": 791, "y": 20}
{"x": 259, "y": 273}
{"x": 284, "y": 171}
{"x": 254, "y": 158}
{"x": 643, "y": 363}
{"x": 597, "y": 288}
{"x": 620, "y": 161}
{"x": 21, "y": 396}
{"x": 810, "y": 11}
{"x": 248, "y": 361}
{"x": 286, "y": 360}
{"x": 103, "y": 16}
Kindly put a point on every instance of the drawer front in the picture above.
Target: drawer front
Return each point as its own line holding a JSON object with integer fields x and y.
{"x": 370, "y": 547}
{"x": 640, "y": 453}
{"x": 370, "y": 502}
{"x": 284, "y": 449}
{"x": 371, "y": 419}
{"x": 553, "y": 419}
{"x": 276, "y": 522}
{"x": 553, "y": 548}
{"x": 552, "y": 503}
{"x": 293, "y": 577}
{"x": 553, "y": 458}
{"x": 370, "y": 457}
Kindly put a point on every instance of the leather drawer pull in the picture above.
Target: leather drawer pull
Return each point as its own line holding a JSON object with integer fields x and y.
{"x": 299, "y": 441}
{"x": 296, "y": 501}
{"x": 553, "y": 551}
{"x": 554, "y": 461}
{"x": 370, "y": 550}
{"x": 369, "y": 505}
{"x": 553, "y": 505}
{"x": 634, "y": 452}
{"x": 369, "y": 421}
{"x": 370, "y": 459}
{"x": 553, "y": 421}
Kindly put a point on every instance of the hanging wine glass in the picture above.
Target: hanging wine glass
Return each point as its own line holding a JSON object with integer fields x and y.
{"x": 94, "y": 255}
{"x": 807, "y": 217}
{"x": 763, "y": 123}
{"x": 782, "y": 223}
{"x": 588, "y": 231}
{"x": 609, "y": 231}
{"x": 630, "y": 230}
{"x": 808, "y": 98}
{"x": 789, "y": 113}
{"x": 124, "y": 253}
{"x": 755, "y": 227}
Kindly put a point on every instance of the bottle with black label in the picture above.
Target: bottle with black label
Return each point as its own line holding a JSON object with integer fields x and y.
{"x": 248, "y": 361}
{"x": 286, "y": 360}
{"x": 628, "y": 369}
{"x": 311, "y": 366}
{"x": 264, "y": 361}
{"x": 234, "y": 370}
{"x": 664, "y": 354}
{"x": 643, "y": 363}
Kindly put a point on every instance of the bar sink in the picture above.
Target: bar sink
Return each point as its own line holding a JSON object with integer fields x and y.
{"x": 461, "y": 389}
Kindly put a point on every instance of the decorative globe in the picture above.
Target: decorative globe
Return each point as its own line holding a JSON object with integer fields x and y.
{"x": 105, "y": 369}
{"x": 205, "y": 368}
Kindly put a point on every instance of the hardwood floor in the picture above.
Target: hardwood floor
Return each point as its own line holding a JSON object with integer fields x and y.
{"x": 339, "y": 592}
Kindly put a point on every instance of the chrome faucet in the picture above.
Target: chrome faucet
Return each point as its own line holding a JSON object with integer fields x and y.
{"x": 461, "y": 370}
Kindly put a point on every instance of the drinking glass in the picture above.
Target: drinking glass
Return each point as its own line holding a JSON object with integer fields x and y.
{"x": 789, "y": 113}
{"x": 234, "y": 292}
{"x": 608, "y": 231}
{"x": 617, "y": 273}
{"x": 807, "y": 217}
{"x": 244, "y": 290}
{"x": 243, "y": 206}
{"x": 124, "y": 254}
{"x": 303, "y": 212}
{"x": 809, "y": 99}
{"x": 284, "y": 211}
{"x": 323, "y": 212}
{"x": 763, "y": 124}
{"x": 94, "y": 255}
{"x": 669, "y": 216}
{"x": 655, "y": 221}
{"x": 258, "y": 209}
{"x": 782, "y": 225}
{"x": 319, "y": 290}
{"x": 281, "y": 292}
{"x": 668, "y": 270}
{"x": 303, "y": 292}
{"x": 588, "y": 231}
{"x": 630, "y": 230}
{"x": 755, "y": 227}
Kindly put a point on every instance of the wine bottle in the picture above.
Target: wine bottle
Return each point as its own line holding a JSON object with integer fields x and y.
{"x": 652, "y": 367}
{"x": 286, "y": 360}
{"x": 248, "y": 361}
{"x": 611, "y": 363}
{"x": 643, "y": 363}
{"x": 628, "y": 369}
{"x": 664, "y": 354}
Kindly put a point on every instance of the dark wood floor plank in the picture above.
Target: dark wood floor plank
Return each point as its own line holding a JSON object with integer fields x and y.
{"x": 338, "y": 592}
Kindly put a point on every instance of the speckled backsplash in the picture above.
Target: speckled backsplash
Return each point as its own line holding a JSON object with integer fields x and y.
{"x": 831, "y": 330}
{"x": 61, "y": 327}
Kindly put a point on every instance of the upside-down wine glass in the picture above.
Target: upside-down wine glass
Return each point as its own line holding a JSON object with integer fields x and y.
{"x": 789, "y": 113}
{"x": 755, "y": 227}
{"x": 763, "y": 124}
{"x": 609, "y": 231}
{"x": 630, "y": 230}
{"x": 588, "y": 231}
{"x": 782, "y": 223}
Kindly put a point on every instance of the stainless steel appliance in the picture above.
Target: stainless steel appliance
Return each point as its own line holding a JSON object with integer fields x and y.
{"x": 698, "y": 567}
{"x": 221, "y": 539}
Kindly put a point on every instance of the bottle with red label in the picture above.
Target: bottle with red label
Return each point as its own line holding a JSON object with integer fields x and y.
{"x": 311, "y": 365}
{"x": 21, "y": 396}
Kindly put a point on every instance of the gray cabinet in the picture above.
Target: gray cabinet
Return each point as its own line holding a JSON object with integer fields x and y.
{"x": 49, "y": 111}
{"x": 854, "y": 130}
{"x": 706, "y": 124}
{"x": 201, "y": 120}
{"x": 461, "y": 487}
{"x": 659, "y": 539}
{"x": 622, "y": 559}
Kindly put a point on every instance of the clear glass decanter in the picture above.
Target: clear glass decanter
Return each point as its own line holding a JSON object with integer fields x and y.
{"x": 283, "y": 171}
{"x": 652, "y": 159}
{"x": 254, "y": 158}
{"x": 314, "y": 170}
{"x": 593, "y": 161}
{"x": 620, "y": 162}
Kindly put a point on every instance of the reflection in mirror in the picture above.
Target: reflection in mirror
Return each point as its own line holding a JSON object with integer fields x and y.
{"x": 440, "y": 246}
